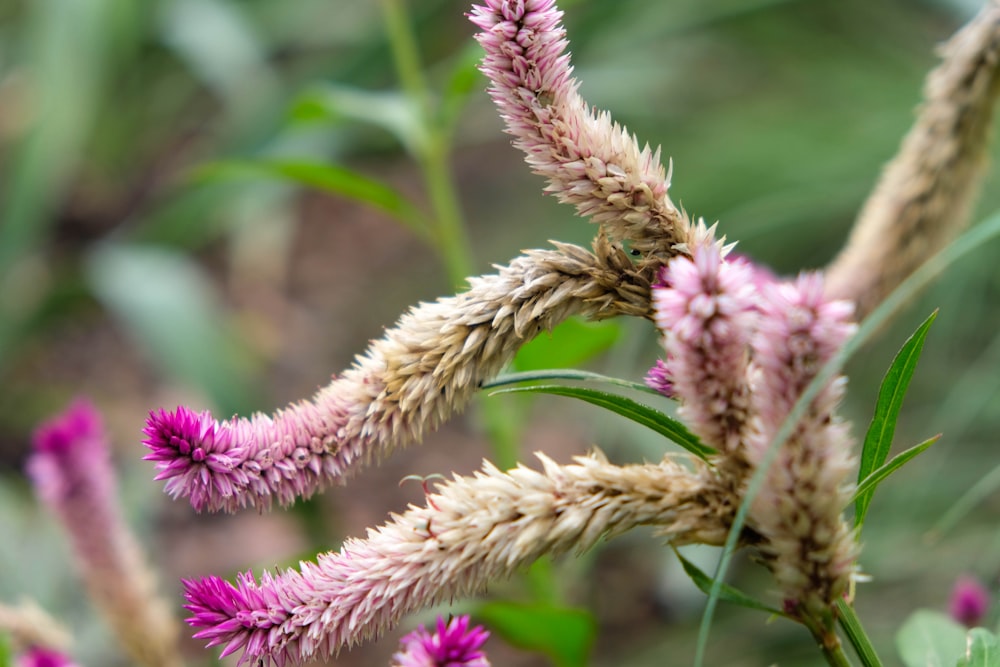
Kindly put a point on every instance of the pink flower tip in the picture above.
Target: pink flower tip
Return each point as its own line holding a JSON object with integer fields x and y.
{"x": 969, "y": 601}
{"x": 43, "y": 657}
{"x": 80, "y": 421}
{"x": 452, "y": 644}
{"x": 658, "y": 378}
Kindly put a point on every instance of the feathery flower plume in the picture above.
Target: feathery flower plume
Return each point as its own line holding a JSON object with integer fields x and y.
{"x": 925, "y": 195}
{"x": 589, "y": 161}
{"x": 706, "y": 309}
{"x": 72, "y": 474}
{"x": 473, "y": 530}
{"x": 798, "y": 510}
{"x": 422, "y": 371}
{"x": 452, "y": 644}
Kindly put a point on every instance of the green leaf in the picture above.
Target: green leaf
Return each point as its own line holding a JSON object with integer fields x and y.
{"x": 726, "y": 592}
{"x": 878, "y": 476}
{"x": 391, "y": 111}
{"x": 335, "y": 179}
{"x": 565, "y": 374}
{"x": 982, "y": 649}
{"x": 563, "y": 634}
{"x": 628, "y": 408}
{"x": 570, "y": 344}
{"x": 930, "y": 639}
{"x": 172, "y": 310}
{"x": 878, "y": 440}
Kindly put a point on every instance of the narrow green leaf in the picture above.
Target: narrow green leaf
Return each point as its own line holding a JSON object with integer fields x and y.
{"x": 727, "y": 593}
{"x": 570, "y": 344}
{"x": 878, "y": 439}
{"x": 930, "y": 639}
{"x": 869, "y": 484}
{"x": 849, "y": 622}
{"x": 564, "y": 374}
{"x": 335, "y": 179}
{"x": 564, "y": 634}
{"x": 982, "y": 649}
{"x": 628, "y": 408}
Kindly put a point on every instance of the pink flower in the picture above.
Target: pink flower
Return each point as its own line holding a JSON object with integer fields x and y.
{"x": 658, "y": 378}
{"x": 72, "y": 474}
{"x": 707, "y": 309}
{"x": 589, "y": 161}
{"x": 969, "y": 601}
{"x": 43, "y": 657}
{"x": 452, "y": 644}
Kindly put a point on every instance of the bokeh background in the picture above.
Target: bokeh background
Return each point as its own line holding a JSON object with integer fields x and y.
{"x": 174, "y": 229}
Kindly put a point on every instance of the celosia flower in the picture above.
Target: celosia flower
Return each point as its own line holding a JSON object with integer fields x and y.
{"x": 43, "y": 657}
{"x": 408, "y": 382}
{"x": 969, "y": 601}
{"x": 810, "y": 547}
{"x": 707, "y": 310}
{"x": 72, "y": 474}
{"x": 452, "y": 644}
{"x": 472, "y": 531}
{"x": 588, "y": 160}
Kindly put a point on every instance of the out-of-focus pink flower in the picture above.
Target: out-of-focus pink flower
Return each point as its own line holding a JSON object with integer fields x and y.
{"x": 72, "y": 474}
{"x": 452, "y": 644}
{"x": 43, "y": 657}
{"x": 969, "y": 601}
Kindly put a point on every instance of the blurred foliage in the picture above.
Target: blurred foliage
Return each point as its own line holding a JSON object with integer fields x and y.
{"x": 135, "y": 265}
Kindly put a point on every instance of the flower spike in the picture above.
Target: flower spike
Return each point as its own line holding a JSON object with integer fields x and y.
{"x": 72, "y": 474}
{"x": 589, "y": 161}
{"x": 472, "y": 531}
{"x": 421, "y": 372}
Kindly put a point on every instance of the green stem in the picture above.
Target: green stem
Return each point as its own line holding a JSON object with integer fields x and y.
{"x": 433, "y": 150}
{"x": 851, "y": 625}
{"x": 828, "y": 641}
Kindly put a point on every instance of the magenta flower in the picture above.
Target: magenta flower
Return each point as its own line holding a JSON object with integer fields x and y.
{"x": 72, "y": 474}
{"x": 452, "y": 644}
{"x": 969, "y": 601}
{"x": 43, "y": 657}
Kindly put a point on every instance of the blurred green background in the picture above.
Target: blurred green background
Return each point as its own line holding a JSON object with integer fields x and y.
{"x": 218, "y": 203}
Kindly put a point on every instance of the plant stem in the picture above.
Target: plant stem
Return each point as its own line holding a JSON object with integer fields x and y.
{"x": 434, "y": 148}
{"x": 851, "y": 625}
{"x": 827, "y": 639}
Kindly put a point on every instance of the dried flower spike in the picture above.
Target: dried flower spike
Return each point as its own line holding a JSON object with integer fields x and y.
{"x": 72, "y": 474}
{"x": 452, "y": 644}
